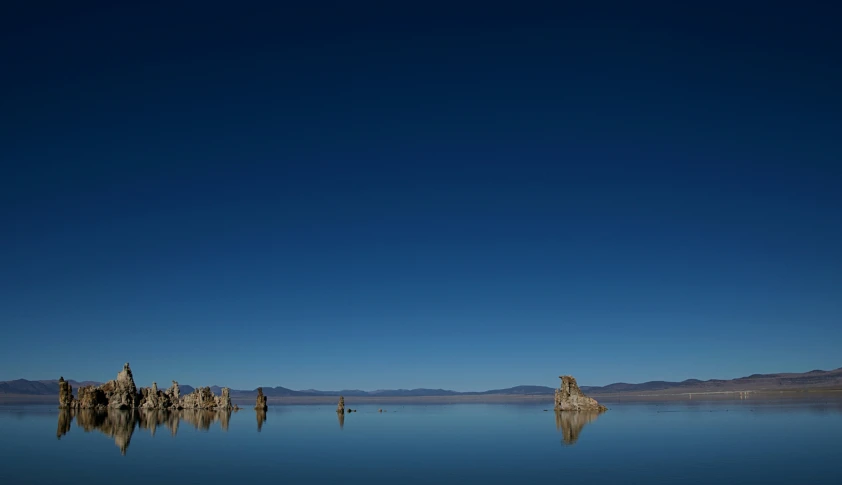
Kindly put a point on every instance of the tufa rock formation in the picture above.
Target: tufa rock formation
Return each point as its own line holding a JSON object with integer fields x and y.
{"x": 570, "y": 398}
{"x": 340, "y": 408}
{"x": 90, "y": 397}
{"x": 260, "y": 403}
{"x": 121, "y": 393}
{"x": 65, "y": 394}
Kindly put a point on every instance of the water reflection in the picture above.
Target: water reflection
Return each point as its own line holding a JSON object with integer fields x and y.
{"x": 120, "y": 424}
{"x": 341, "y": 417}
{"x": 261, "y": 417}
{"x": 570, "y": 423}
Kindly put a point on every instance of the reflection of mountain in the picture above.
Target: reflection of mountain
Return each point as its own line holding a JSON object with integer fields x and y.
{"x": 570, "y": 423}
{"x": 120, "y": 424}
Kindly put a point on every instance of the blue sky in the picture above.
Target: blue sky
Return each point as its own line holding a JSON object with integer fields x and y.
{"x": 464, "y": 198}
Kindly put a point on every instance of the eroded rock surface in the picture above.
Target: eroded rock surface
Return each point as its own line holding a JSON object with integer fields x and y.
{"x": 570, "y": 398}
{"x": 224, "y": 401}
{"x": 65, "y": 394}
{"x": 90, "y": 397}
{"x": 122, "y": 393}
{"x": 260, "y": 403}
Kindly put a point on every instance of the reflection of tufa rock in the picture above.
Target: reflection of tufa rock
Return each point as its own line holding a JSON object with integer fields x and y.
{"x": 261, "y": 417}
{"x": 570, "y": 423}
{"x": 570, "y": 398}
{"x": 340, "y": 408}
{"x": 260, "y": 403}
{"x": 65, "y": 417}
{"x": 120, "y": 424}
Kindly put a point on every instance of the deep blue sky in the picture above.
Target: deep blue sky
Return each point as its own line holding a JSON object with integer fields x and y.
{"x": 463, "y": 196}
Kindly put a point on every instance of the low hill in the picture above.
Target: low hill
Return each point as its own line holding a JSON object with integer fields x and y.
{"x": 815, "y": 379}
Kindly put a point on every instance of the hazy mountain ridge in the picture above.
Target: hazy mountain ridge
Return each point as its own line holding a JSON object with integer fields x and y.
{"x": 754, "y": 382}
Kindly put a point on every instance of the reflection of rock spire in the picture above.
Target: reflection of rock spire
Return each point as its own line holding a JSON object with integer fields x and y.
{"x": 118, "y": 424}
{"x": 570, "y": 423}
{"x": 261, "y": 417}
{"x": 64, "y": 419}
{"x": 341, "y": 417}
{"x": 224, "y": 417}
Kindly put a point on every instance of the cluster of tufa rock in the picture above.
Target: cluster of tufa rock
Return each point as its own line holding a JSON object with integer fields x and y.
{"x": 121, "y": 393}
{"x": 570, "y": 398}
{"x": 340, "y": 408}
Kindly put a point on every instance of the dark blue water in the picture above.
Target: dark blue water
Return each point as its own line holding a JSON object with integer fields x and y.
{"x": 691, "y": 442}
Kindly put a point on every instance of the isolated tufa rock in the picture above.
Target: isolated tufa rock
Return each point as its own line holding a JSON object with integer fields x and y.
{"x": 65, "y": 394}
{"x": 260, "y": 403}
{"x": 570, "y": 398}
{"x": 340, "y": 408}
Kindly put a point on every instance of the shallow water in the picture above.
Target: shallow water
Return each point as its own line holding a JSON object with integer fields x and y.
{"x": 688, "y": 442}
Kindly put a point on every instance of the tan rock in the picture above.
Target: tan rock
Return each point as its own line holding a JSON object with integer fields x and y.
{"x": 223, "y": 402}
{"x": 570, "y": 398}
{"x": 65, "y": 394}
{"x": 260, "y": 403}
{"x": 91, "y": 397}
{"x": 340, "y": 408}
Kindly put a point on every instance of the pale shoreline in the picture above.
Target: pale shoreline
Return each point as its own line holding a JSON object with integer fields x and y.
{"x": 247, "y": 403}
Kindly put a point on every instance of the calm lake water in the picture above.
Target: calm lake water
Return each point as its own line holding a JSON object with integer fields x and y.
{"x": 689, "y": 442}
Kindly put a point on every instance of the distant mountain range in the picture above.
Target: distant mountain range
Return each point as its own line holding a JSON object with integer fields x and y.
{"x": 816, "y": 379}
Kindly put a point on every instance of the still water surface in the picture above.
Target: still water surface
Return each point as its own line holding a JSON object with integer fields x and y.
{"x": 690, "y": 442}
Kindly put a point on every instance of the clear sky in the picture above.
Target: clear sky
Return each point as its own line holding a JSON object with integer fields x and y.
{"x": 463, "y": 196}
